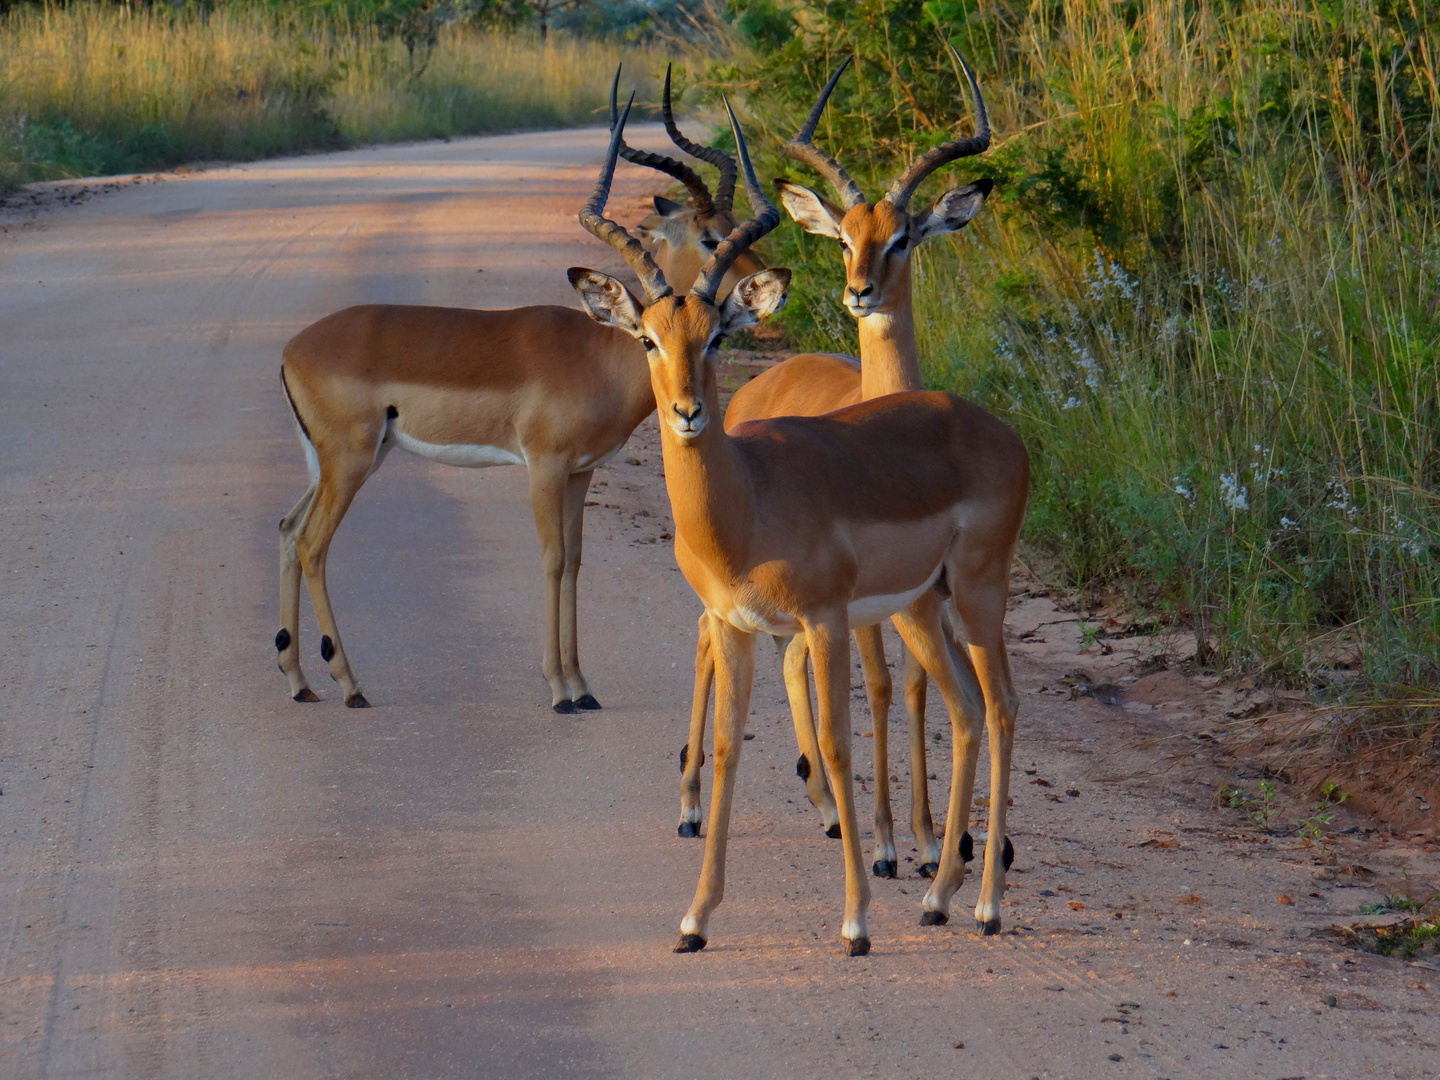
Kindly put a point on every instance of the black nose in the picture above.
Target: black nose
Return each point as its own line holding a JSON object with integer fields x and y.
{"x": 860, "y": 294}
{"x": 692, "y": 414}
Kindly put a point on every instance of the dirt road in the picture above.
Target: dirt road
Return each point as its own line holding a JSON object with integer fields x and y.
{"x": 201, "y": 878}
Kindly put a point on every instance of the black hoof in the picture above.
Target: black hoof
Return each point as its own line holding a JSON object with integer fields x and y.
{"x": 859, "y": 946}
{"x": 688, "y": 829}
{"x": 357, "y": 702}
{"x": 1008, "y": 855}
{"x": 988, "y": 928}
{"x": 883, "y": 868}
{"x": 690, "y": 943}
{"x": 933, "y": 918}
{"x": 587, "y": 702}
{"x": 564, "y": 707}
{"x": 307, "y": 695}
{"x": 929, "y": 870}
{"x": 967, "y": 847}
{"x": 833, "y": 832}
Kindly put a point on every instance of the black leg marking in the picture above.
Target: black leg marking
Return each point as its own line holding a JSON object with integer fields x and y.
{"x": 684, "y": 756}
{"x": 690, "y": 943}
{"x": 933, "y": 918}
{"x": 967, "y": 847}
{"x": 327, "y": 649}
{"x": 929, "y": 869}
{"x": 802, "y": 768}
{"x": 586, "y": 701}
{"x": 282, "y": 640}
{"x": 1008, "y": 856}
{"x": 988, "y": 927}
{"x": 563, "y": 707}
{"x": 391, "y": 412}
{"x": 859, "y": 946}
{"x": 883, "y": 868}
{"x": 688, "y": 829}
{"x": 833, "y": 832}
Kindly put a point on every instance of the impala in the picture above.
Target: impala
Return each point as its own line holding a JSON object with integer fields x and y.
{"x": 544, "y": 387}
{"x": 876, "y": 245}
{"x": 812, "y": 524}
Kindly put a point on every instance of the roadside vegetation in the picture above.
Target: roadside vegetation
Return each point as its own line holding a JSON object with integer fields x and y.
{"x": 93, "y": 89}
{"x": 1205, "y": 293}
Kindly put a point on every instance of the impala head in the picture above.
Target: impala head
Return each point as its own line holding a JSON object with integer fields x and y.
{"x": 683, "y": 235}
{"x": 681, "y": 334}
{"x": 876, "y": 240}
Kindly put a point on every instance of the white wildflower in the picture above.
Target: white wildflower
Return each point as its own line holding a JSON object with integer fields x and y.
{"x": 1072, "y": 402}
{"x": 1232, "y": 494}
{"x": 1286, "y": 524}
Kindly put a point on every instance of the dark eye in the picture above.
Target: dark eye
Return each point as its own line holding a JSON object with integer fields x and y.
{"x": 900, "y": 245}
{"x": 716, "y": 340}
{"x": 709, "y": 244}
{"x": 649, "y": 345}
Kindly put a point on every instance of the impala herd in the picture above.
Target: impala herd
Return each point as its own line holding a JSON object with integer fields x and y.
{"x": 830, "y": 496}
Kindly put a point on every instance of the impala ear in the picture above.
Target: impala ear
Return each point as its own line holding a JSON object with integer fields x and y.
{"x": 606, "y": 300}
{"x": 954, "y": 209}
{"x": 754, "y": 298}
{"x": 810, "y": 211}
{"x": 665, "y": 207}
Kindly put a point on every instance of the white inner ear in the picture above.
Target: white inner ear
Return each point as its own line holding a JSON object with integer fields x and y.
{"x": 952, "y": 211}
{"x": 810, "y": 211}
{"x": 607, "y": 301}
{"x": 754, "y": 298}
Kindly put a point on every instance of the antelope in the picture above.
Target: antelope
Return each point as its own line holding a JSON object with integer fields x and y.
{"x": 876, "y": 244}
{"x": 815, "y": 524}
{"x": 544, "y": 387}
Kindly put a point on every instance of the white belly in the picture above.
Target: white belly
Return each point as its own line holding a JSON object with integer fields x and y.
{"x": 869, "y": 610}
{"x": 464, "y": 455}
{"x": 757, "y": 622}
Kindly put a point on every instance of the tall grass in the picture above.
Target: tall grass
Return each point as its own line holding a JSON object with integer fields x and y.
{"x": 1206, "y": 294}
{"x": 88, "y": 89}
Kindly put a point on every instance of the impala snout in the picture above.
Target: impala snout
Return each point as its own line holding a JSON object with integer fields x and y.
{"x": 688, "y": 418}
{"x": 860, "y": 299}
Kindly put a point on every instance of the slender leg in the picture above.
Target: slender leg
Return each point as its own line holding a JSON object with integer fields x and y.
{"x": 547, "y": 501}
{"x": 287, "y": 641}
{"x": 797, "y": 689}
{"x": 921, "y": 824}
{"x": 692, "y": 755}
{"x": 924, "y": 634}
{"x": 982, "y": 613}
{"x": 878, "y": 689}
{"x": 340, "y": 478}
{"x": 830, "y": 652}
{"x": 576, "y": 486}
{"x": 734, "y": 653}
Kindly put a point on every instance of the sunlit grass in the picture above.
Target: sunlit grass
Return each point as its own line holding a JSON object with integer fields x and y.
{"x": 88, "y": 90}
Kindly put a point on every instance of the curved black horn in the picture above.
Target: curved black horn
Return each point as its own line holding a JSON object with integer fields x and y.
{"x": 801, "y": 150}
{"x": 742, "y": 236}
{"x": 725, "y": 189}
{"x": 694, "y": 183}
{"x": 592, "y": 217}
{"x": 904, "y": 186}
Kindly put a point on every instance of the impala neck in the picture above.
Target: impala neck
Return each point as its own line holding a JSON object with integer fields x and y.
{"x": 889, "y": 357}
{"x": 711, "y": 495}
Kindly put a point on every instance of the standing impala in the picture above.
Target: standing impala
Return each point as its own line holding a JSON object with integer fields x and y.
{"x": 543, "y": 387}
{"x": 814, "y": 524}
{"x": 876, "y": 245}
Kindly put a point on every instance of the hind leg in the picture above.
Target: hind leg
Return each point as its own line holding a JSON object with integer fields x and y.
{"x": 287, "y": 641}
{"x": 692, "y": 754}
{"x": 808, "y": 768}
{"x": 340, "y": 478}
{"x": 878, "y": 689}
{"x": 921, "y": 824}
{"x": 575, "y": 488}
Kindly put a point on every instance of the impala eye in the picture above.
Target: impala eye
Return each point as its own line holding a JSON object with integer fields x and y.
{"x": 715, "y": 341}
{"x": 900, "y": 245}
{"x": 709, "y": 243}
{"x": 649, "y": 345}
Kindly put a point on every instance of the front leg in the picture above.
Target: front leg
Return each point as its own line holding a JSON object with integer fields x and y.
{"x": 692, "y": 754}
{"x": 830, "y": 652}
{"x": 734, "y": 653}
{"x": 577, "y": 486}
{"x": 548, "y": 481}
